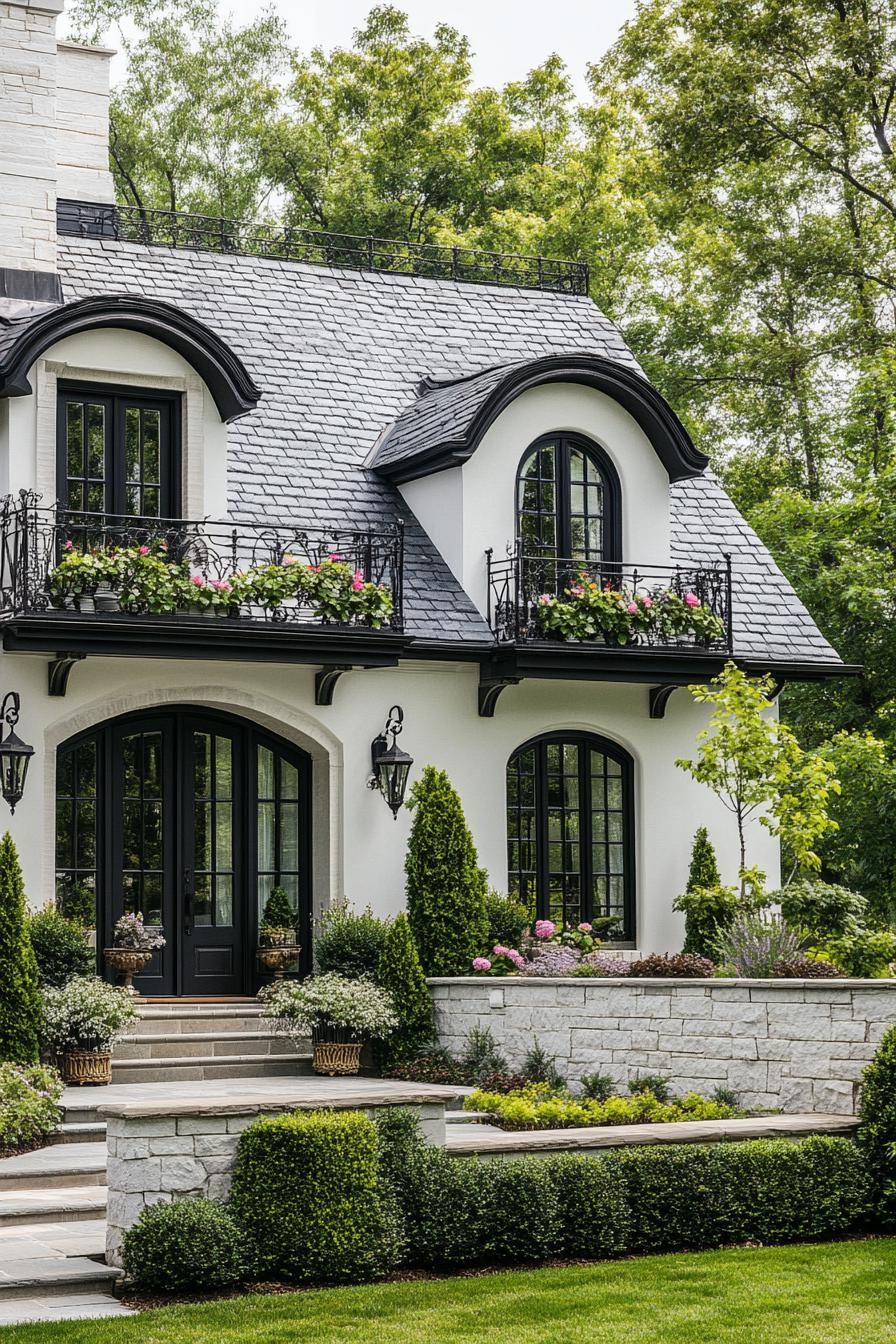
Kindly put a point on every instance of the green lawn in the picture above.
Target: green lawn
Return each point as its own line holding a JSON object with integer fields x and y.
{"x": 843, "y": 1292}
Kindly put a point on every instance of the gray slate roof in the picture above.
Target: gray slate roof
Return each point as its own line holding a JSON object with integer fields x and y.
{"x": 435, "y": 415}
{"x": 339, "y": 356}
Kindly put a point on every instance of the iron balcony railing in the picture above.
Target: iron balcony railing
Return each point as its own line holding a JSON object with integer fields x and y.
{"x": 362, "y": 252}
{"x": 522, "y": 585}
{"x": 220, "y": 559}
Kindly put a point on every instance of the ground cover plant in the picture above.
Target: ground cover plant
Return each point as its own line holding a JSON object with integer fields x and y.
{"x": 29, "y": 1110}
{"x": 541, "y": 1106}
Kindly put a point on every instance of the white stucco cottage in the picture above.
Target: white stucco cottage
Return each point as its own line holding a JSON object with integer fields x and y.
{"x": 231, "y": 397}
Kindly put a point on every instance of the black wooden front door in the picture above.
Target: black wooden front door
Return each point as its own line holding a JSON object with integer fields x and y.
{"x": 178, "y": 818}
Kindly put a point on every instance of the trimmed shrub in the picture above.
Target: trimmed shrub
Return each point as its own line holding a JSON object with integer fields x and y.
{"x": 684, "y": 965}
{"x": 445, "y": 885}
{"x": 193, "y": 1244}
{"x": 708, "y": 906}
{"x": 508, "y": 920}
{"x": 307, "y": 1192}
{"x": 349, "y": 942}
{"x": 60, "y": 948}
{"x": 594, "y": 1215}
{"x": 877, "y": 1128}
{"x": 20, "y": 1001}
{"x": 692, "y": 1197}
{"x": 538, "y": 1106}
{"x": 278, "y": 912}
{"x": 399, "y": 972}
{"x": 28, "y": 1105}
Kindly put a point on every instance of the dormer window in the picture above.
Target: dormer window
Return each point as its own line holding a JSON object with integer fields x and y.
{"x": 118, "y": 452}
{"x": 568, "y": 501}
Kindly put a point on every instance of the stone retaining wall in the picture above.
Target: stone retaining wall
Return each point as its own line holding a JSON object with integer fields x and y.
{"x": 797, "y": 1045}
{"x": 157, "y": 1158}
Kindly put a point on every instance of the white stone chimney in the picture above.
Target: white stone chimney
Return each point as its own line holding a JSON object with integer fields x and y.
{"x": 54, "y": 131}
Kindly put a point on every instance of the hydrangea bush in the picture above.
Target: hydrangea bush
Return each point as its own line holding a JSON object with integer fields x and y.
{"x": 29, "y": 1109}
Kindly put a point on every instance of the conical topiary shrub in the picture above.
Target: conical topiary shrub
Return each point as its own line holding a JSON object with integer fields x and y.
{"x": 400, "y": 973}
{"x": 877, "y": 1128}
{"x": 708, "y": 907}
{"x": 446, "y": 892}
{"x": 20, "y": 1001}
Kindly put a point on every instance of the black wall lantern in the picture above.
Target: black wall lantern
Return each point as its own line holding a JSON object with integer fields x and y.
{"x": 391, "y": 765}
{"x": 14, "y": 753}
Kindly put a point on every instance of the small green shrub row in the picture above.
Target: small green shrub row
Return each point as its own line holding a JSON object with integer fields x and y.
{"x": 538, "y": 1106}
{"x": 458, "y": 1211}
{"x": 320, "y": 1197}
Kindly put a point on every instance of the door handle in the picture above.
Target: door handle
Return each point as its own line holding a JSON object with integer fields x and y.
{"x": 188, "y": 901}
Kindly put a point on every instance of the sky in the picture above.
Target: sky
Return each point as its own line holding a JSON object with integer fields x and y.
{"x": 509, "y": 37}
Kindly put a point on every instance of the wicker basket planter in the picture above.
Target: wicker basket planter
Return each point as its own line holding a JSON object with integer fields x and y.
{"x": 128, "y": 962}
{"x": 336, "y": 1057}
{"x": 87, "y": 1068}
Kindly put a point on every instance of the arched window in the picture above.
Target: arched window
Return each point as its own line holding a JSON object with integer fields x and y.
{"x": 568, "y": 501}
{"x": 570, "y": 830}
{"x": 191, "y": 818}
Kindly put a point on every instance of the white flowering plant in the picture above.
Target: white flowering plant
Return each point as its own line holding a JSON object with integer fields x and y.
{"x": 86, "y": 1014}
{"x": 330, "y": 1008}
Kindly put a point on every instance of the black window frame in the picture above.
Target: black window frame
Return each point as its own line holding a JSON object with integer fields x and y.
{"x": 562, "y": 442}
{"x": 116, "y": 398}
{"x": 623, "y": 934}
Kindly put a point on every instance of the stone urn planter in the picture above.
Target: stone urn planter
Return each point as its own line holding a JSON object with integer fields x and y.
{"x": 278, "y": 958}
{"x": 127, "y": 962}
{"x": 87, "y": 1068}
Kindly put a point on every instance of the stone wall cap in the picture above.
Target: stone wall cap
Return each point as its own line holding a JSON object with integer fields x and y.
{"x": 308, "y": 1094}
{"x": 666, "y": 982}
{"x": 679, "y": 1131}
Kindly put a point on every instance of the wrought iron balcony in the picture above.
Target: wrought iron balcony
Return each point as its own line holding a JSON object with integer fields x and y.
{"x": 363, "y": 252}
{"x": 538, "y": 599}
{"x": 83, "y": 566}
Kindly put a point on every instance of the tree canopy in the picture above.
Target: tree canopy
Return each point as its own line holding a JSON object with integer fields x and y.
{"x": 731, "y": 181}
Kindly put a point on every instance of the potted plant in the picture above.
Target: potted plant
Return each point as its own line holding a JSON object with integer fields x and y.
{"x": 82, "y": 1021}
{"x": 132, "y": 947}
{"x": 277, "y": 948}
{"x": 339, "y": 1015}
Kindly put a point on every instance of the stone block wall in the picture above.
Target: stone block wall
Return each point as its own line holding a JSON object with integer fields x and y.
{"x": 797, "y": 1045}
{"x": 155, "y": 1159}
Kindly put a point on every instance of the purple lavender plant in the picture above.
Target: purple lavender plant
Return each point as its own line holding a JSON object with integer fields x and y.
{"x": 754, "y": 944}
{"x": 603, "y": 963}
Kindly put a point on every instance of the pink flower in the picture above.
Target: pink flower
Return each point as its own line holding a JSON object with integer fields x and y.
{"x": 647, "y": 601}
{"x": 692, "y": 599}
{"x": 144, "y": 550}
{"x": 584, "y": 928}
{"x": 576, "y": 591}
{"x": 69, "y": 546}
{"x": 198, "y": 580}
{"x": 632, "y": 608}
{"x": 545, "y": 599}
{"x": 289, "y": 560}
{"x": 221, "y": 586}
{"x": 334, "y": 557}
{"x": 358, "y": 581}
{"x": 481, "y": 964}
{"x": 544, "y": 928}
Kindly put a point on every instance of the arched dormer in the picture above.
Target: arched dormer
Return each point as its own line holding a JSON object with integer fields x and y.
{"x": 223, "y": 372}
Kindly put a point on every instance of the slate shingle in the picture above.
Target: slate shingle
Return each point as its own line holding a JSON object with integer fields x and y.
{"x": 339, "y": 356}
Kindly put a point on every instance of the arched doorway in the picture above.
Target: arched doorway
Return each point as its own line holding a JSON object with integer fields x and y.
{"x": 191, "y": 817}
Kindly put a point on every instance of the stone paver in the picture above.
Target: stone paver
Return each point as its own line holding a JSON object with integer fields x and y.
{"x": 45, "y": 1240}
{"x": 65, "y": 1307}
{"x": 56, "y": 1160}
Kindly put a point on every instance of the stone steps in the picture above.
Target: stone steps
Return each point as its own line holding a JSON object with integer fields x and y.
{"x": 71, "y": 1204}
{"x": 183, "y": 1045}
{"x": 201, "y": 1068}
{"x": 57, "y": 1275}
{"x": 87, "y": 1131}
{"x": 56, "y": 1167}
